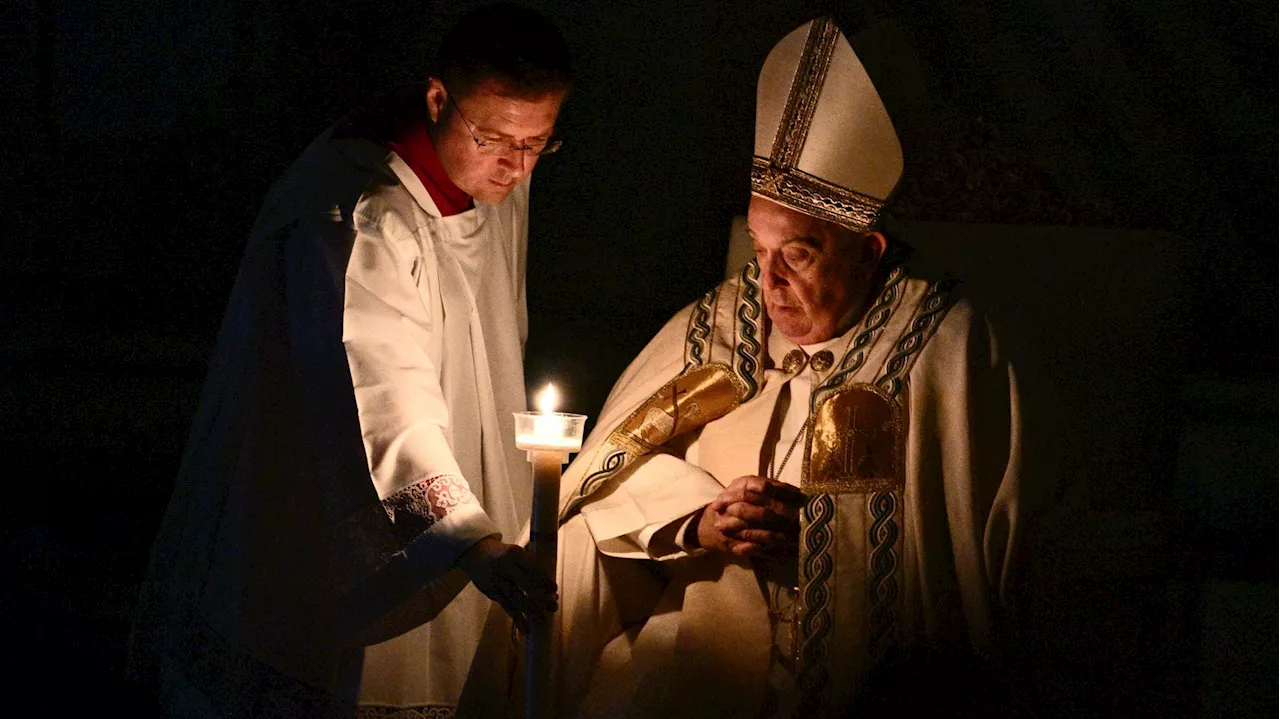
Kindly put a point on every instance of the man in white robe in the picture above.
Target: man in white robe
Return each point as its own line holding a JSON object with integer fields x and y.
{"x": 352, "y": 464}
{"x": 812, "y": 479}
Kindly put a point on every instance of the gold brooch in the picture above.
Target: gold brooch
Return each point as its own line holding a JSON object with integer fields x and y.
{"x": 822, "y": 361}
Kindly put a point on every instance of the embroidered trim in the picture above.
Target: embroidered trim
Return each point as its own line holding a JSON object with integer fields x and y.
{"x": 806, "y": 86}
{"x": 611, "y": 464}
{"x": 884, "y": 536}
{"x": 816, "y": 570}
{"x": 746, "y": 362}
{"x": 884, "y": 506}
{"x": 813, "y": 195}
{"x": 424, "y": 503}
{"x": 699, "y": 333}
{"x": 419, "y": 712}
{"x": 877, "y": 317}
{"x": 934, "y": 306}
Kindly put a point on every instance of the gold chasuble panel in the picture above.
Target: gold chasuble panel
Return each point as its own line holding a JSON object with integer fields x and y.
{"x": 687, "y": 402}
{"x": 857, "y": 443}
{"x": 694, "y": 398}
{"x": 851, "y": 541}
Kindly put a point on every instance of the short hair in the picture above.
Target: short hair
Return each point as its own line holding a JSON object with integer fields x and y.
{"x": 510, "y": 43}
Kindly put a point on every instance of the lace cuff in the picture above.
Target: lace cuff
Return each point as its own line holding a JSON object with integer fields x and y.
{"x": 422, "y": 504}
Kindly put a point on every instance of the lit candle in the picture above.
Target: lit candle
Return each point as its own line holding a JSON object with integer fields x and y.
{"x": 548, "y": 436}
{"x": 548, "y": 429}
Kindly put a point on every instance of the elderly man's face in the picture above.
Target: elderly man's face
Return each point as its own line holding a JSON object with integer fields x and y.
{"x": 489, "y": 113}
{"x": 815, "y": 274}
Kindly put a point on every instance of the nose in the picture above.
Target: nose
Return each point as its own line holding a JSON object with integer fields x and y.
{"x": 515, "y": 162}
{"x": 770, "y": 275}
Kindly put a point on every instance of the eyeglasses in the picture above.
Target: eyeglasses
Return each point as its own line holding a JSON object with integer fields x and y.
{"x": 500, "y": 148}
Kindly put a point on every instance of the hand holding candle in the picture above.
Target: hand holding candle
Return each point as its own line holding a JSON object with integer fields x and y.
{"x": 510, "y": 576}
{"x": 549, "y": 437}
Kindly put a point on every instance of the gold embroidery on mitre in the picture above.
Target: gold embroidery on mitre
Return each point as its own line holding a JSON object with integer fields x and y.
{"x": 686, "y": 402}
{"x": 802, "y": 100}
{"x": 814, "y": 196}
{"x": 769, "y": 178}
{"x": 856, "y": 443}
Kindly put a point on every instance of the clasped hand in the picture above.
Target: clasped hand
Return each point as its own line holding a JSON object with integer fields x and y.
{"x": 752, "y": 514}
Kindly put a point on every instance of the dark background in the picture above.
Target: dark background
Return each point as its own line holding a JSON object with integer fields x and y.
{"x": 140, "y": 137}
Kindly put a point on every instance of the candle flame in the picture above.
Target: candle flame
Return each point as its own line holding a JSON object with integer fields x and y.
{"x": 548, "y": 398}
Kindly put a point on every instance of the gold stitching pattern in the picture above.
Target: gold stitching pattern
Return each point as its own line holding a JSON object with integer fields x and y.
{"x": 812, "y": 195}
{"x": 802, "y": 100}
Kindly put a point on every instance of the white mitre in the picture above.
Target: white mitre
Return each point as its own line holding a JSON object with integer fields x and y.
{"x": 824, "y": 143}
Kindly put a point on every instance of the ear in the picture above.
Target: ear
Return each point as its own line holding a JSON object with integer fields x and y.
{"x": 437, "y": 96}
{"x": 874, "y": 245}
